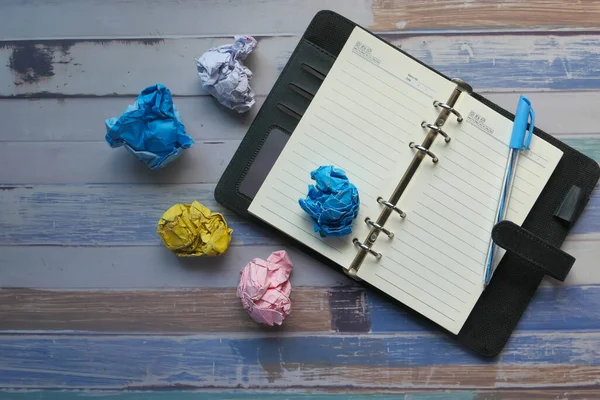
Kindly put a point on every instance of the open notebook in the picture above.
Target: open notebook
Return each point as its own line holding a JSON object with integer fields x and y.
{"x": 368, "y": 110}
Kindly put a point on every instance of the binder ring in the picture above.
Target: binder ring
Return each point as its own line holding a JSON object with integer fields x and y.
{"x": 422, "y": 149}
{"x": 387, "y": 204}
{"x": 365, "y": 248}
{"x": 375, "y": 225}
{"x": 459, "y": 117}
{"x": 436, "y": 129}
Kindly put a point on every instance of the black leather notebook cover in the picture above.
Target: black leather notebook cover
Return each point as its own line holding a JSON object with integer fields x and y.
{"x": 532, "y": 249}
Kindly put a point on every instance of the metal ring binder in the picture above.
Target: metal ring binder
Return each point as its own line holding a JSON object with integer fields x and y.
{"x": 425, "y": 150}
{"x": 437, "y": 129}
{"x": 377, "y": 226}
{"x": 459, "y": 117}
{"x": 366, "y": 248}
{"x": 411, "y": 170}
{"x": 383, "y": 202}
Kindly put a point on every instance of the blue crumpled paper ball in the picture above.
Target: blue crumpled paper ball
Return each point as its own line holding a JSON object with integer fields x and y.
{"x": 333, "y": 203}
{"x": 150, "y": 129}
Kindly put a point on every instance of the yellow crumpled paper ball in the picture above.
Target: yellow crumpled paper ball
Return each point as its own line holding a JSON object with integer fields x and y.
{"x": 191, "y": 230}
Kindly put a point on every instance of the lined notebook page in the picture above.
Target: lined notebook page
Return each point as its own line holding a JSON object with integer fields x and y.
{"x": 535, "y": 166}
{"x": 435, "y": 263}
{"x": 365, "y": 113}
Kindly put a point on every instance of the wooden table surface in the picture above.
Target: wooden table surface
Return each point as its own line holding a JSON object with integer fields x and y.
{"x": 92, "y": 303}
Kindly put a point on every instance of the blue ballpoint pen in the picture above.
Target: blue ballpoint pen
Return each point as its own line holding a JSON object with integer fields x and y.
{"x": 519, "y": 140}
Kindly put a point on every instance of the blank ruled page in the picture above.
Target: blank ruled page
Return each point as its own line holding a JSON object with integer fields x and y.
{"x": 365, "y": 113}
{"x": 435, "y": 263}
{"x": 535, "y": 166}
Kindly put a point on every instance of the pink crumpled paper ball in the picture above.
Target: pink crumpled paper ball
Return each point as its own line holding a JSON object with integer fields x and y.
{"x": 265, "y": 288}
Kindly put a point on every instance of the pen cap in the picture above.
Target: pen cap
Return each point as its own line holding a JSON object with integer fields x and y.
{"x": 524, "y": 112}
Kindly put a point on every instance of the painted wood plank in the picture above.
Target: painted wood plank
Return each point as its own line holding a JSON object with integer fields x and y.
{"x": 137, "y": 18}
{"x": 88, "y": 18}
{"x": 501, "y": 63}
{"x": 59, "y": 267}
{"x": 67, "y": 67}
{"x": 115, "y": 215}
{"x": 80, "y": 119}
{"x": 97, "y": 163}
{"x": 134, "y": 267}
{"x": 234, "y": 395}
{"x": 585, "y": 270}
{"x": 441, "y": 394}
{"x": 192, "y": 311}
{"x": 415, "y": 15}
{"x": 590, "y": 146}
{"x": 119, "y": 215}
{"x": 299, "y": 361}
{"x": 552, "y": 309}
{"x": 344, "y": 310}
{"x": 510, "y": 62}
{"x": 540, "y": 394}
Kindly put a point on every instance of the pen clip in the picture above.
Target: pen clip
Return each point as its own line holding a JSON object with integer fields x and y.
{"x": 521, "y": 136}
{"x": 531, "y": 127}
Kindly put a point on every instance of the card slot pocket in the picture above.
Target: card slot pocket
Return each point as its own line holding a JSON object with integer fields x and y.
{"x": 313, "y": 71}
{"x": 296, "y": 96}
{"x": 301, "y": 91}
{"x": 289, "y": 111}
{"x": 283, "y": 108}
{"x": 306, "y": 81}
{"x": 285, "y": 116}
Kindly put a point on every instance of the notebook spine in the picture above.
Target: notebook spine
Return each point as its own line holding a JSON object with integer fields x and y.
{"x": 365, "y": 247}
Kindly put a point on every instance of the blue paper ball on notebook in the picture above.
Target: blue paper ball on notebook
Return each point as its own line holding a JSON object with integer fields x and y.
{"x": 332, "y": 203}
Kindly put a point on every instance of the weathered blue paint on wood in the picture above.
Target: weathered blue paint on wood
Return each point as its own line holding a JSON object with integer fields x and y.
{"x": 97, "y": 163}
{"x": 118, "y": 215}
{"x": 82, "y": 119}
{"x": 352, "y": 310}
{"x": 113, "y": 215}
{"x": 244, "y": 394}
{"x": 557, "y": 342}
{"x": 145, "y": 267}
{"x": 68, "y": 119}
{"x": 119, "y": 362}
{"x": 589, "y": 145}
{"x": 553, "y": 309}
{"x": 506, "y": 62}
{"x": 499, "y": 62}
{"x": 90, "y": 18}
